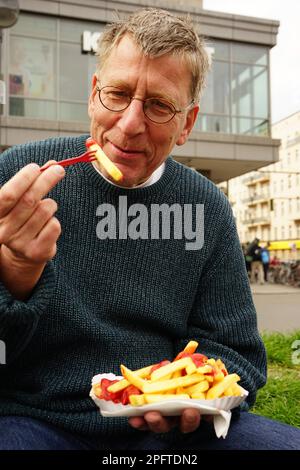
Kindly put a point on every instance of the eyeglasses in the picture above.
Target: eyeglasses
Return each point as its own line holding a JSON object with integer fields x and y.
{"x": 157, "y": 110}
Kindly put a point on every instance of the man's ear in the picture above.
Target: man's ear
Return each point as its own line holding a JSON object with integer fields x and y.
{"x": 92, "y": 96}
{"x": 189, "y": 124}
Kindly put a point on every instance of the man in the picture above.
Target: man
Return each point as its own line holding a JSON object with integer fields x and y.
{"x": 254, "y": 251}
{"x": 265, "y": 259}
{"x": 76, "y": 301}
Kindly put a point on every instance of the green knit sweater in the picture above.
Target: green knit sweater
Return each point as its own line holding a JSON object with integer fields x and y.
{"x": 100, "y": 303}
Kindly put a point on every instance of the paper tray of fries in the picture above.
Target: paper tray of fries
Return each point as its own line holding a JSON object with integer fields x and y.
{"x": 219, "y": 408}
{"x": 191, "y": 380}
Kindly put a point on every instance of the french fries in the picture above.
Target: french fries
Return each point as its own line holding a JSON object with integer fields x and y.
{"x": 189, "y": 376}
{"x": 104, "y": 161}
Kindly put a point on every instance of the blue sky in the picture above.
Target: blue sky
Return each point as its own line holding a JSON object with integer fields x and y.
{"x": 285, "y": 56}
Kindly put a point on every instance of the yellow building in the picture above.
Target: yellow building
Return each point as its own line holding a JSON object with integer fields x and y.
{"x": 266, "y": 203}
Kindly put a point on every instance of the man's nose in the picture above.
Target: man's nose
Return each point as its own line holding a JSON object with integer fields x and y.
{"x": 133, "y": 119}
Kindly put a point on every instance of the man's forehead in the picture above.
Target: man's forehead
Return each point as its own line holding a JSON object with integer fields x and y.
{"x": 127, "y": 49}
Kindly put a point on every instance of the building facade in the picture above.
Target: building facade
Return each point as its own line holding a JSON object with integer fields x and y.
{"x": 266, "y": 203}
{"x": 47, "y": 61}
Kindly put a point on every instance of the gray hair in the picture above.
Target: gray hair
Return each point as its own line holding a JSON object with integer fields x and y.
{"x": 158, "y": 32}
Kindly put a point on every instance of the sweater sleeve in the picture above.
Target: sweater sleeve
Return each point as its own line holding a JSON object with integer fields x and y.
{"x": 18, "y": 320}
{"x": 223, "y": 318}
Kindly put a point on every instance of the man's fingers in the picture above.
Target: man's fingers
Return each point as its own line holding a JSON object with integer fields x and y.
{"x": 155, "y": 422}
{"x": 27, "y": 203}
{"x": 190, "y": 420}
{"x": 139, "y": 423}
{"x": 43, "y": 248}
{"x": 49, "y": 235}
{"x": 31, "y": 229}
{"x": 158, "y": 423}
{"x": 11, "y": 191}
{"x": 49, "y": 163}
{"x": 41, "y": 186}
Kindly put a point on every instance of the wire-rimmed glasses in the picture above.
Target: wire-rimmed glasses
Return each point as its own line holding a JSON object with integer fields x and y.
{"x": 157, "y": 110}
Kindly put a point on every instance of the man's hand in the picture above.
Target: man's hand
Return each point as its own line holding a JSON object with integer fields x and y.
{"x": 28, "y": 228}
{"x": 153, "y": 421}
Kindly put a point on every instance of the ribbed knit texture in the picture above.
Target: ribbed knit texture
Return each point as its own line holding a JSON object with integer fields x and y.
{"x": 101, "y": 303}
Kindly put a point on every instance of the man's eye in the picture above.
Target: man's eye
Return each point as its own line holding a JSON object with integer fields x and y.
{"x": 161, "y": 106}
{"x": 117, "y": 94}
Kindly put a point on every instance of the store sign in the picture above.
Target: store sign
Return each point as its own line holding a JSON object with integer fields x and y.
{"x": 89, "y": 41}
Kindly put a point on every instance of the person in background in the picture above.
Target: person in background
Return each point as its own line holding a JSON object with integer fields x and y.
{"x": 75, "y": 301}
{"x": 248, "y": 259}
{"x": 257, "y": 272}
{"x": 274, "y": 261}
{"x": 265, "y": 259}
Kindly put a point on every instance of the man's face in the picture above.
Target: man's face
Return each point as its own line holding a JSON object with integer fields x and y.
{"x": 135, "y": 144}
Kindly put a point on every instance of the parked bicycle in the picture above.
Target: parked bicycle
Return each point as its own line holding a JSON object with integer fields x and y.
{"x": 287, "y": 273}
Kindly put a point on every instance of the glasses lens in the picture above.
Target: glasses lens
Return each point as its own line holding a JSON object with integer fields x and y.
{"x": 114, "y": 99}
{"x": 158, "y": 110}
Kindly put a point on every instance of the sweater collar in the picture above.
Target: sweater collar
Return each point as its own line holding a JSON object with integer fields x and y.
{"x": 156, "y": 175}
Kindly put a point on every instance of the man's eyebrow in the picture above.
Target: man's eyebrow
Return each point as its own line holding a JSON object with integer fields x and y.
{"x": 119, "y": 84}
{"x": 155, "y": 94}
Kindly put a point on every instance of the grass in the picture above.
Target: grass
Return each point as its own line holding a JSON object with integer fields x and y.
{"x": 279, "y": 399}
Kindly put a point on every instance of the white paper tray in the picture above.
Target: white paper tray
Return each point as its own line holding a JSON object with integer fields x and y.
{"x": 219, "y": 407}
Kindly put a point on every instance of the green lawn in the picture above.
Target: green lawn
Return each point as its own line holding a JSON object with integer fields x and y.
{"x": 280, "y": 398}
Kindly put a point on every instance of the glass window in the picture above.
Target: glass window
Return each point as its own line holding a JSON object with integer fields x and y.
{"x": 241, "y": 90}
{"x": 211, "y": 123}
{"x": 35, "y": 25}
{"x": 260, "y": 91}
{"x": 35, "y": 71}
{"x": 249, "y": 53}
{"x": 238, "y": 89}
{"x": 74, "y": 86}
{"x": 248, "y": 126}
{"x": 216, "y": 97}
{"x": 37, "y": 109}
{"x": 32, "y": 68}
{"x": 221, "y": 50}
{"x": 73, "y": 112}
{"x": 261, "y": 127}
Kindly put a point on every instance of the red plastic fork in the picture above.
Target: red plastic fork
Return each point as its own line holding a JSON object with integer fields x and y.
{"x": 84, "y": 157}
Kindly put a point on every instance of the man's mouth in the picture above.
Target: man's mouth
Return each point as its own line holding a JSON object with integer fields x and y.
{"x": 125, "y": 152}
